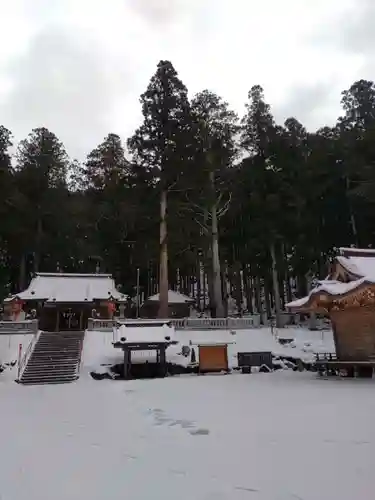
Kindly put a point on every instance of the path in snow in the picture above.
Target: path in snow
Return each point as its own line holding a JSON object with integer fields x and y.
{"x": 279, "y": 436}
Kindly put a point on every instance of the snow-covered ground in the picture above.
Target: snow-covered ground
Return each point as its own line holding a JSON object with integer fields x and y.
{"x": 98, "y": 349}
{"x": 277, "y": 436}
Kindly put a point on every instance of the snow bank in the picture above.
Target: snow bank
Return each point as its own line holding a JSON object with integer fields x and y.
{"x": 9, "y": 349}
{"x": 98, "y": 349}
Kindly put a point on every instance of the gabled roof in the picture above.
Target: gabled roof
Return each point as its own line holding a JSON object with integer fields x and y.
{"x": 59, "y": 287}
{"x": 358, "y": 267}
{"x": 355, "y": 267}
{"x": 173, "y": 298}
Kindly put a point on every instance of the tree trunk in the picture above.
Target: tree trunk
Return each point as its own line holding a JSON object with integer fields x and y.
{"x": 22, "y": 274}
{"x": 276, "y": 287}
{"x": 199, "y": 286}
{"x": 248, "y": 289}
{"x": 163, "y": 273}
{"x": 211, "y": 294}
{"x": 38, "y": 245}
{"x": 313, "y": 322}
{"x": 216, "y": 272}
{"x": 258, "y": 299}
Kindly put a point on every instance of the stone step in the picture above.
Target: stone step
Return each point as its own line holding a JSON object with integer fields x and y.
{"x": 39, "y": 380}
{"x": 58, "y": 344}
{"x": 52, "y": 368}
{"x": 56, "y": 349}
{"x": 59, "y": 354}
{"x": 49, "y": 374}
{"x": 48, "y": 351}
{"x": 54, "y": 361}
{"x": 59, "y": 336}
{"x": 47, "y": 382}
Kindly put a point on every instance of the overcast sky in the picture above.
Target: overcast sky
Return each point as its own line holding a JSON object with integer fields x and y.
{"x": 79, "y": 66}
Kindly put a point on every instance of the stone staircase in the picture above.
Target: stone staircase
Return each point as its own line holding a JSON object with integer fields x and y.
{"x": 55, "y": 359}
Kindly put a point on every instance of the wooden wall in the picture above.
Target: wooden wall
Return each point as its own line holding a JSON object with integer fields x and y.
{"x": 354, "y": 332}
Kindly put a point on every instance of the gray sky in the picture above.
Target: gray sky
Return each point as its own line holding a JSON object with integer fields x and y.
{"x": 79, "y": 66}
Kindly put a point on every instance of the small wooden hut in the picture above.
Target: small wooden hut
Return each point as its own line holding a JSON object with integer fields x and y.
{"x": 347, "y": 295}
{"x": 179, "y": 306}
{"x": 66, "y": 301}
{"x": 213, "y": 358}
{"x": 212, "y": 349}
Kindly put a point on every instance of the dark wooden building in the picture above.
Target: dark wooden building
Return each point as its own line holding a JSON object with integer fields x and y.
{"x": 179, "y": 306}
{"x": 66, "y": 301}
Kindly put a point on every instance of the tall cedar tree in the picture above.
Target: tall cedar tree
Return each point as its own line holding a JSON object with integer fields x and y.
{"x": 215, "y": 126}
{"x": 261, "y": 138}
{"x": 160, "y": 146}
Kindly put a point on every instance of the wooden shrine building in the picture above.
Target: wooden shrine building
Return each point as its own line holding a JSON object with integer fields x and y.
{"x": 347, "y": 295}
{"x": 179, "y": 306}
{"x": 64, "y": 302}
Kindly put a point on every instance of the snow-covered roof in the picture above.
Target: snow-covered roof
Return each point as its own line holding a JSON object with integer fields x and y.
{"x": 59, "y": 287}
{"x": 173, "y": 298}
{"x": 328, "y": 287}
{"x": 209, "y": 337}
{"x": 147, "y": 335}
{"x": 358, "y": 266}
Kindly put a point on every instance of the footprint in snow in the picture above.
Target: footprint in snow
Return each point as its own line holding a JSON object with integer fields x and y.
{"x": 199, "y": 432}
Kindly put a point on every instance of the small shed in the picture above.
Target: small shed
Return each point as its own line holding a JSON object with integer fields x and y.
{"x": 145, "y": 338}
{"x": 179, "y": 305}
{"x": 212, "y": 348}
{"x": 213, "y": 358}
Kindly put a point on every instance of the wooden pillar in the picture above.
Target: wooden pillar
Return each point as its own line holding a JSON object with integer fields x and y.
{"x": 81, "y": 320}
{"x": 162, "y": 361}
{"x": 127, "y": 362}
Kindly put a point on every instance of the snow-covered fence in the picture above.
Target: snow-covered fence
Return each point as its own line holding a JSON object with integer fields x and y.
{"x": 216, "y": 323}
{"x": 106, "y": 325}
{"x": 18, "y": 327}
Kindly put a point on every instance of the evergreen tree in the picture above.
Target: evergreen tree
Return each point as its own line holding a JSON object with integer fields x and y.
{"x": 160, "y": 145}
{"x": 215, "y": 127}
{"x": 42, "y": 165}
{"x": 7, "y": 208}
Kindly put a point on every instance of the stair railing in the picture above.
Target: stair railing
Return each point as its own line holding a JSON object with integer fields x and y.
{"x": 26, "y": 356}
{"x": 80, "y": 356}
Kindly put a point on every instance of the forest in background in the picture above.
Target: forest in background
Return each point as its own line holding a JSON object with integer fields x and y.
{"x": 235, "y": 207}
